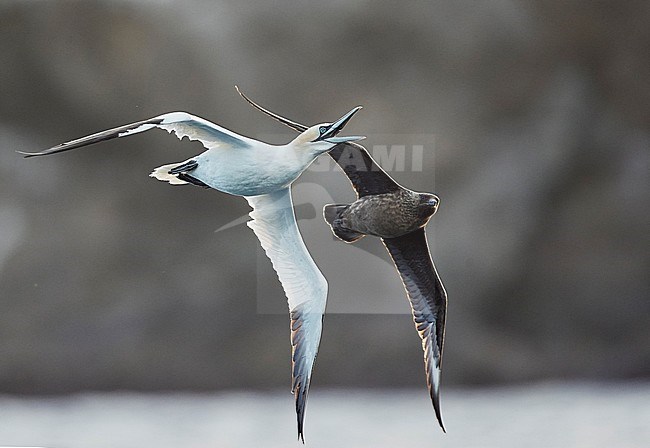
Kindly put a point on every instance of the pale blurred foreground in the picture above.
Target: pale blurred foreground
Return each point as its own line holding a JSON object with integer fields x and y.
{"x": 545, "y": 416}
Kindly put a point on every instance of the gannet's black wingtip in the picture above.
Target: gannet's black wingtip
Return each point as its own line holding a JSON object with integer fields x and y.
{"x": 292, "y": 124}
{"x": 300, "y": 392}
{"x": 242, "y": 94}
{"x": 27, "y": 155}
{"x": 439, "y": 417}
{"x": 435, "y": 398}
{"x": 301, "y": 434}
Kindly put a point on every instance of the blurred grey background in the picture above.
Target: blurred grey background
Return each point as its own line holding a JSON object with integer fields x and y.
{"x": 535, "y": 117}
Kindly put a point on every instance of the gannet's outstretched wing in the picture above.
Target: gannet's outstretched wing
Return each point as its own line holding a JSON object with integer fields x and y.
{"x": 428, "y": 300}
{"x": 275, "y": 225}
{"x": 366, "y": 176}
{"x": 181, "y": 123}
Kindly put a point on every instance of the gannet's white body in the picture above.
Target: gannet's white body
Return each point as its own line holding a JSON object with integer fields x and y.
{"x": 263, "y": 174}
{"x": 236, "y": 164}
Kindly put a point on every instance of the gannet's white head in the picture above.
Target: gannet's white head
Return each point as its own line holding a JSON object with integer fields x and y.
{"x": 322, "y": 137}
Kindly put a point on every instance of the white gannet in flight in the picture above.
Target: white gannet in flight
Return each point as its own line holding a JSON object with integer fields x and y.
{"x": 263, "y": 174}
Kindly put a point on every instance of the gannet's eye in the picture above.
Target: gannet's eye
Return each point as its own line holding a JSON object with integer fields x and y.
{"x": 322, "y": 130}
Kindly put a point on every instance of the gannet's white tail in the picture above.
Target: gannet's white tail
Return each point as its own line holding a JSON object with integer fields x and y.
{"x": 163, "y": 173}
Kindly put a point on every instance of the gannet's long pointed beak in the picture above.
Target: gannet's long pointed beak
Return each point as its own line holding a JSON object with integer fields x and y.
{"x": 341, "y": 122}
{"x": 330, "y": 134}
{"x": 351, "y": 138}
